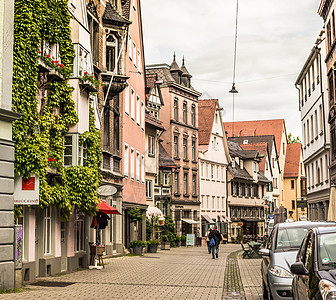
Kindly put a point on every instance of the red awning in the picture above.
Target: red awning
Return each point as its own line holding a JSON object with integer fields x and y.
{"x": 108, "y": 209}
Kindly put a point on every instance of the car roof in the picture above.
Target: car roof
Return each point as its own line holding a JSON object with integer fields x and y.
{"x": 323, "y": 230}
{"x": 305, "y": 223}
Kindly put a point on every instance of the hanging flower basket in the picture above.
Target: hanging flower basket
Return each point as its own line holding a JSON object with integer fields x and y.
{"x": 100, "y": 250}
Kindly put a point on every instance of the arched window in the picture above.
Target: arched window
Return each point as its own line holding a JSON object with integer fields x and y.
{"x": 111, "y": 52}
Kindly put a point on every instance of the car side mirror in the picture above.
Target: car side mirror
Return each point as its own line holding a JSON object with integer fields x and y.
{"x": 264, "y": 252}
{"x": 298, "y": 268}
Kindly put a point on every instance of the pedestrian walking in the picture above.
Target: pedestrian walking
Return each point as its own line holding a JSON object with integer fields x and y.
{"x": 208, "y": 240}
{"x": 217, "y": 237}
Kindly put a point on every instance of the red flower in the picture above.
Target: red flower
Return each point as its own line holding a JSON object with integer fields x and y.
{"x": 48, "y": 55}
{"x": 56, "y": 61}
{"x": 86, "y": 73}
{"x": 39, "y": 52}
{"x": 49, "y": 159}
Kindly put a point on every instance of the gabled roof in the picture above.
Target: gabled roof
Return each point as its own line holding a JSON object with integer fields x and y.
{"x": 239, "y": 173}
{"x": 112, "y": 16}
{"x": 206, "y": 116}
{"x": 262, "y": 149}
{"x": 292, "y": 163}
{"x": 255, "y": 128}
{"x": 165, "y": 161}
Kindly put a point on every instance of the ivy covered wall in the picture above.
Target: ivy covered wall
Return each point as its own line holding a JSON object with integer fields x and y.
{"x": 39, "y": 135}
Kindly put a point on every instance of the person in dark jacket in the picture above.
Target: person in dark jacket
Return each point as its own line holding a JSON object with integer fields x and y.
{"x": 215, "y": 234}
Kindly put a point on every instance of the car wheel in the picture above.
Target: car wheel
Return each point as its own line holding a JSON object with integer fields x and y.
{"x": 265, "y": 292}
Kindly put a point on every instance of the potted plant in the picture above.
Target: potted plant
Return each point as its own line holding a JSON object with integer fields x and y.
{"x": 152, "y": 245}
{"x": 137, "y": 246}
{"x": 178, "y": 241}
{"x": 183, "y": 240}
{"x": 165, "y": 244}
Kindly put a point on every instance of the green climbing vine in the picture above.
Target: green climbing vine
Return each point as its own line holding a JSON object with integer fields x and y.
{"x": 39, "y": 133}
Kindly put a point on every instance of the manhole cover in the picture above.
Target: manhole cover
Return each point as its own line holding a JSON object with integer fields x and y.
{"x": 52, "y": 283}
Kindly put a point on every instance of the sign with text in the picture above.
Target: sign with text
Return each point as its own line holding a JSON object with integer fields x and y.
{"x": 26, "y": 192}
{"x": 190, "y": 240}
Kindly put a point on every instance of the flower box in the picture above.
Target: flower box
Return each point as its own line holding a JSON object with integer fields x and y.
{"x": 88, "y": 86}
{"x": 43, "y": 66}
{"x": 55, "y": 74}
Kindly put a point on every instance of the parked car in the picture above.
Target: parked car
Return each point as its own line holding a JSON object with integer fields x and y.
{"x": 280, "y": 252}
{"x": 315, "y": 267}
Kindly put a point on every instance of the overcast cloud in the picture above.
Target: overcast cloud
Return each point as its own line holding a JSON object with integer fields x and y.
{"x": 274, "y": 40}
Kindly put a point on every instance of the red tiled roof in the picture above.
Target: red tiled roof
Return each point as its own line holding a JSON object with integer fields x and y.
{"x": 259, "y": 127}
{"x": 292, "y": 163}
{"x": 262, "y": 149}
{"x": 206, "y": 115}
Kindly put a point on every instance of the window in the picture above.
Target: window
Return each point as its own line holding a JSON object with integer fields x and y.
{"x": 130, "y": 46}
{"x": 308, "y": 176}
{"x": 83, "y": 61}
{"x": 213, "y": 202}
{"x": 275, "y": 183}
{"x": 185, "y": 148}
{"x": 292, "y": 184}
{"x": 217, "y": 172}
{"x": 132, "y": 163}
{"x": 321, "y": 166}
{"x": 176, "y": 182}
{"x": 185, "y": 183}
{"x": 68, "y": 150}
{"x": 193, "y": 115}
{"x": 194, "y": 184}
{"x": 202, "y": 170}
{"x": 138, "y": 166}
{"x": 329, "y": 40}
{"x": 214, "y": 143}
{"x": 79, "y": 232}
{"x": 149, "y": 189}
{"x": 165, "y": 179}
{"x": 142, "y": 115}
{"x": 82, "y": 154}
{"x": 331, "y": 88}
{"x": 175, "y": 109}
{"x": 312, "y": 127}
{"x": 312, "y": 175}
{"x": 318, "y": 173}
{"x": 151, "y": 145}
{"x": 139, "y": 62}
{"x": 316, "y": 125}
{"x": 185, "y": 112}
{"x": 193, "y": 150}
{"x": 111, "y": 53}
{"x": 127, "y": 98}
{"x": 207, "y": 201}
{"x": 132, "y": 104}
{"x": 212, "y": 171}
{"x": 234, "y": 188}
{"x": 255, "y": 169}
{"x": 134, "y": 54}
{"x": 304, "y": 134}
{"x": 308, "y": 137}
{"x": 176, "y": 146}
{"x": 126, "y": 160}
{"x": 138, "y": 117}
{"x": 47, "y": 230}
{"x": 156, "y": 182}
{"x": 206, "y": 170}
{"x": 321, "y": 118}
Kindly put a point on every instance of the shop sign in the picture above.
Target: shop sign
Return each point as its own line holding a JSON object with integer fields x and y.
{"x": 190, "y": 240}
{"x": 107, "y": 190}
{"x": 26, "y": 192}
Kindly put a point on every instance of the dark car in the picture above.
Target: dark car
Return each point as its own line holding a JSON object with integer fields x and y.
{"x": 315, "y": 267}
{"x": 280, "y": 252}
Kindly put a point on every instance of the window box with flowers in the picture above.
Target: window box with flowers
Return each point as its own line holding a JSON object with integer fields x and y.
{"x": 89, "y": 83}
{"x": 52, "y": 165}
{"x": 51, "y": 65}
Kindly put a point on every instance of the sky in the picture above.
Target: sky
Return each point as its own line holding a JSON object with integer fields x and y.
{"x": 275, "y": 38}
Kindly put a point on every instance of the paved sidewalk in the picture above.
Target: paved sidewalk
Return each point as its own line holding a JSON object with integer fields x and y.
{"x": 250, "y": 273}
{"x": 181, "y": 273}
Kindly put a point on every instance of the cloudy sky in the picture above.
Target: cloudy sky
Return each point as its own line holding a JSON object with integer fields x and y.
{"x": 274, "y": 40}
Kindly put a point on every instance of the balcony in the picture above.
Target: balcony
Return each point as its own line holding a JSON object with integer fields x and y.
{"x": 118, "y": 83}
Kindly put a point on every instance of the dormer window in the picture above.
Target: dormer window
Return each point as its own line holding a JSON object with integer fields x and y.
{"x": 255, "y": 167}
{"x": 111, "y": 51}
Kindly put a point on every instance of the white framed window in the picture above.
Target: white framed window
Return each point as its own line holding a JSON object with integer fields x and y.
{"x": 127, "y": 95}
{"x": 142, "y": 168}
{"x": 132, "y": 104}
{"x": 151, "y": 145}
{"x": 82, "y": 154}
{"x": 47, "y": 230}
{"x": 206, "y": 170}
{"x": 83, "y": 61}
{"x": 134, "y": 54}
{"x": 132, "y": 163}
{"x": 111, "y": 52}
{"x": 79, "y": 232}
{"x": 222, "y": 171}
{"x": 142, "y": 115}
{"x": 149, "y": 189}
{"x": 165, "y": 178}
{"x": 130, "y": 49}
{"x": 126, "y": 160}
{"x": 202, "y": 169}
{"x": 218, "y": 202}
{"x": 139, "y": 61}
{"x": 185, "y": 183}
{"x": 138, "y": 117}
{"x": 138, "y": 166}
{"x": 68, "y": 151}
{"x": 213, "y": 202}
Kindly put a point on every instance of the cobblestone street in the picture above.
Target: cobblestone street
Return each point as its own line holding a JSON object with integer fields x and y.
{"x": 181, "y": 273}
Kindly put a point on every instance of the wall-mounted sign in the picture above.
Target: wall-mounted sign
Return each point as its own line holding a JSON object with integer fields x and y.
{"x": 107, "y": 190}
{"x": 26, "y": 192}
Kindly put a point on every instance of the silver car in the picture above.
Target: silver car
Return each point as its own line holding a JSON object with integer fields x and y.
{"x": 278, "y": 255}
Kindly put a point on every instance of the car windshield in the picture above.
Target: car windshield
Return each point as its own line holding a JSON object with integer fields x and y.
{"x": 290, "y": 238}
{"x": 327, "y": 250}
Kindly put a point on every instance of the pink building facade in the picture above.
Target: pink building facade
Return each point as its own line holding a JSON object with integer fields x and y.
{"x": 134, "y": 188}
